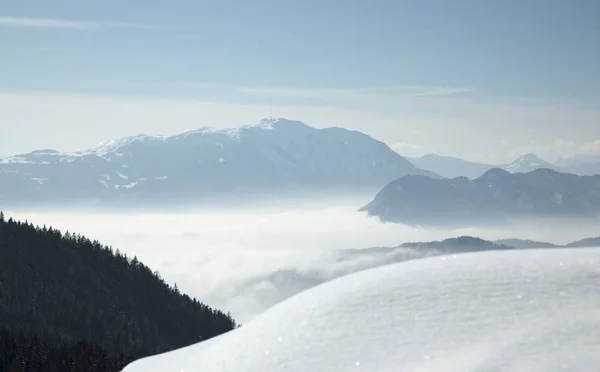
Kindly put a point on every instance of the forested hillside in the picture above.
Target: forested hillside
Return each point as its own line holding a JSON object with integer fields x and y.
{"x": 26, "y": 353}
{"x": 65, "y": 288}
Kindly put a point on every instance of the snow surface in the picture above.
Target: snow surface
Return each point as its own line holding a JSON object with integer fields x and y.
{"x": 534, "y": 310}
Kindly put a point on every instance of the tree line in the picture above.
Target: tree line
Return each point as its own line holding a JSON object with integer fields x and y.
{"x": 65, "y": 290}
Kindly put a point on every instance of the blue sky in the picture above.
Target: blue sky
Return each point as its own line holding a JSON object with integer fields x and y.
{"x": 437, "y": 57}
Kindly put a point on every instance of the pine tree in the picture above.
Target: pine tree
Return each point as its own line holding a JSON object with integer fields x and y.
{"x": 66, "y": 287}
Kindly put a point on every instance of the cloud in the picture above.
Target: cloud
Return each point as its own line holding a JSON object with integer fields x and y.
{"x": 247, "y": 260}
{"x": 590, "y": 148}
{"x": 347, "y": 93}
{"x": 22, "y": 22}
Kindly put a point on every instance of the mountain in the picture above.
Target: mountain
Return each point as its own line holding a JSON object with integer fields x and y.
{"x": 485, "y": 311}
{"x": 528, "y": 244}
{"x": 459, "y": 245}
{"x": 495, "y": 197}
{"x": 450, "y": 167}
{"x": 64, "y": 288}
{"x": 528, "y": 163}
{"x": 583, "y": 243}
{"x": 275, "y": 157}
{"x": 525, "y": 244}
{"x": 28, "y": 353}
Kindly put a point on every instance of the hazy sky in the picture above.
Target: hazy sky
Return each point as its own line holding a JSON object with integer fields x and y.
{"x": 478, "y": 79}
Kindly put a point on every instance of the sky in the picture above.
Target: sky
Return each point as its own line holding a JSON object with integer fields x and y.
{"x": 486, "y": 81}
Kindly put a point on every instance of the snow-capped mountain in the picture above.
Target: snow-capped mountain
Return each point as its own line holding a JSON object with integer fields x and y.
{"x": 509, "y": 310}
{"x": 527, "y": 163}
{"x": 494, "y": 197}
{"x": 450, "y": 167}
{"x": 271, "y": 158}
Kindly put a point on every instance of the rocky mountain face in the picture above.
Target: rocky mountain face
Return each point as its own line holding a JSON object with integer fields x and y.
{"x": 274, "y": 157}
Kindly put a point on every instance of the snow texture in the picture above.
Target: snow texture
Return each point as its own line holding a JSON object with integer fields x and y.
{"x": 534, "y": 310}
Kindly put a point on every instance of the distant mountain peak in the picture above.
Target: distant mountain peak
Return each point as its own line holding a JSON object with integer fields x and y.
{"x": 283, "y": 124}
{"x": 272, "y": 157}
{"x": 528, "y": 158}
{"x": 527, "y": 163}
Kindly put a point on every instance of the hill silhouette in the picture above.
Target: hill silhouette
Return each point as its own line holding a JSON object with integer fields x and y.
{"x": 66, "y": 288}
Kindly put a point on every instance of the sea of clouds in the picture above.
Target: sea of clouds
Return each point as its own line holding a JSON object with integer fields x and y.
{"x": 248, "y": 260}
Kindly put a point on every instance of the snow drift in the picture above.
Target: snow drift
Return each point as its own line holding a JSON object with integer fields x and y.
{"x": 534, "y": 310}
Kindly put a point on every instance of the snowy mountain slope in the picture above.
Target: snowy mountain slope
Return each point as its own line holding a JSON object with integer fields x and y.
{"x": 516, "y": 311}
{"x": 528, "y": 163}
{"x": 271, "y": 157}
{"x": 450, "y": 167}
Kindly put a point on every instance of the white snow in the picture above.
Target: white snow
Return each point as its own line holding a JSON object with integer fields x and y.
{"x": 112, "y": 146}
{"x": 221, "y": 160}
{"x": 41, "y": 181}
{"x": 15, "y": 159}
{"x": 558, "y": 198}
{"x": 160, "y": 178}
{"x": 527, "y": 163}
{"x": 122, "y": 175}
{"x": 130, "y": 185}
{"x": 533, "y": 310}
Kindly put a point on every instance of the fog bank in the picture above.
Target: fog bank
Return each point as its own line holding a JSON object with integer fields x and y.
{"x": 246, "y": 261}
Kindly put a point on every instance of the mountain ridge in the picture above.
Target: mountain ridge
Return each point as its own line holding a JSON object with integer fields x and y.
{"x": 273, "y": 157}
{"x": 495, "y": 197}
{"x": 452, "y": 167}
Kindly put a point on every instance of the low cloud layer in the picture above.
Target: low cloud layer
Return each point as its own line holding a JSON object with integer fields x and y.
{"x": 247, "y": 261}
{"x": 49, "y": 23}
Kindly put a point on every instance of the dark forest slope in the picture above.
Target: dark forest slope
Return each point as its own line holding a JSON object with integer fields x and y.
{"x": 65, "y": 288}
{"x": 27, "y": 353}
